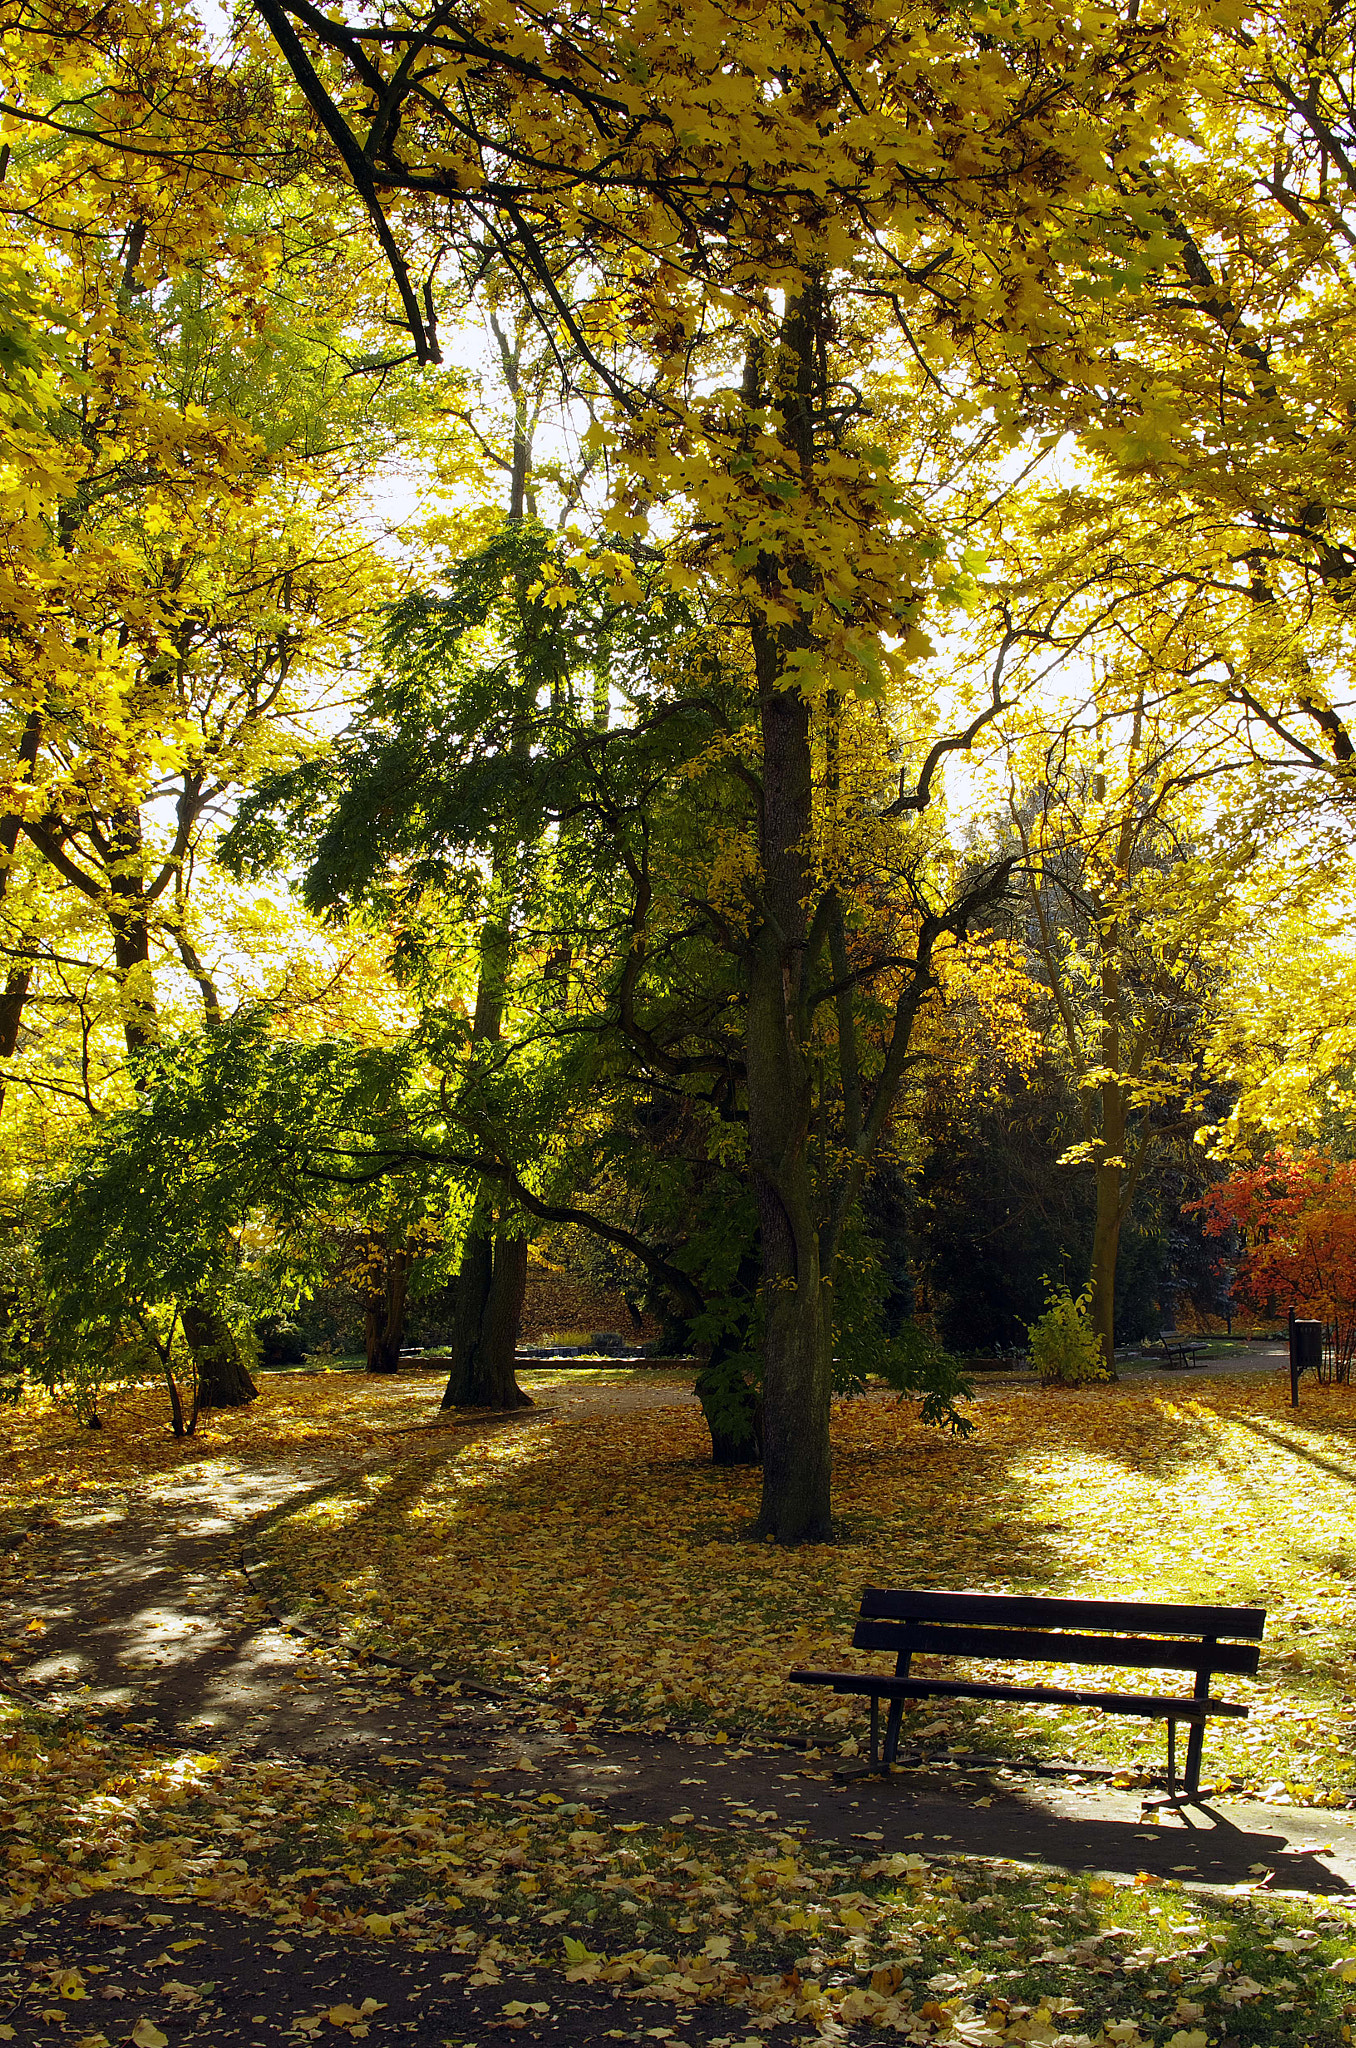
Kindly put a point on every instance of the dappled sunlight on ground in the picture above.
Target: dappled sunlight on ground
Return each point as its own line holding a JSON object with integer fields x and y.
{"x": 604, "y": 1563}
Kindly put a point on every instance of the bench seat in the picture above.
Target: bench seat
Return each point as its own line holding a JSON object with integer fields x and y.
{"x": 1158, "y": 1707}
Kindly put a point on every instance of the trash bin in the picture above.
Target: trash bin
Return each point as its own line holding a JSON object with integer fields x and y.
{"x": 1306, "y": 1353}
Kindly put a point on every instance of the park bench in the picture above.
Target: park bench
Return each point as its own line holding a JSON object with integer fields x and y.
{"x": 1177, "y": 1355}
{"x": 1043, "y": 1630}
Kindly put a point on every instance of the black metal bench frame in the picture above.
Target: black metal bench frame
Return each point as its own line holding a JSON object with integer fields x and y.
{"x": 1040, "y": 1629}
{"x": 1179, "y": 1357}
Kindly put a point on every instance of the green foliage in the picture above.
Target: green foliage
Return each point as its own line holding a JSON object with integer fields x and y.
{"x": 920, "y": 1368}
{"x": 215, "y": 1187}
{"x": 911, "y": 1359}
{"x": 21, "y": 1309}
{"x": 478, "y": 729}
{"x": 1064, "y": 1346}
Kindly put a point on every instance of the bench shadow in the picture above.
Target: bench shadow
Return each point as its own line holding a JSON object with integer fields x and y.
{"x": 1202, "y": 1843}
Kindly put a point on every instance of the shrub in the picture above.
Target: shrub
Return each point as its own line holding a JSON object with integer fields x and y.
{"x": 1064, "y": 1347}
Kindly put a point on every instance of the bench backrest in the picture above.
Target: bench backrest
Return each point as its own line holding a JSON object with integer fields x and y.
{"x": 1168, "y": 1635}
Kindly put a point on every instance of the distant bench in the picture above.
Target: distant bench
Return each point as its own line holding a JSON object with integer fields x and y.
{"x": 1177, "y": 1355}
{"x": 1036, "y": 1629}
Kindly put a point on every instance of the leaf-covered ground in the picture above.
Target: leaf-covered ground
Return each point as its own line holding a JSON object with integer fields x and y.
{"x": 605, "y": 1563}
{"x": 480, "y": 1893}
{"x": 595, "y": 1569}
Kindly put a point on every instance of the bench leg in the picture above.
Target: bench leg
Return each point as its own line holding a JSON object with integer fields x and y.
{"x": 892, "y": 1721}
{"x": 875, "y": 1731}
{"x": 1196, "y": 1739}
{"x": 1172, "y": 1761}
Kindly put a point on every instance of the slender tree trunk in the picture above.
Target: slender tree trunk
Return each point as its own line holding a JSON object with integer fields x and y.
{"x": 1106, "y": 1243}
{"x": 490, "y": 1290}
{"x": 223, "y": 1377}
{"x": 176, "y": 1402}
{"x": 492, "y": 1278}
{"x": 17, "y": 983}
{"x": 1110, "y": 1210}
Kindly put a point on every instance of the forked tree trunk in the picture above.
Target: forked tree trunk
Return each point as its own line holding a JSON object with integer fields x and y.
{"x": 222, "y": 1375}
{"x": 385, "y": 1327}
{"x": 490, "y": 1290}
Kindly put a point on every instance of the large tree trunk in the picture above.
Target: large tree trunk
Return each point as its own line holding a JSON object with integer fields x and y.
{"x": 223, "y": 1377}
{"x": 386, "y": 1313}
{"x": 490, "y": 1290}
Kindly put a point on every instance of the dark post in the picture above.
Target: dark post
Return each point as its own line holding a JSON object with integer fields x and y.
{"x": 1306, "y": 1352}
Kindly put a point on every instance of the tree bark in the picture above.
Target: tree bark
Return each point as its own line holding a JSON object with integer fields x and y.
{"x": 386, "y": 1313}
{"x": 797, "y": 1353}
{"x": 223, "y": 1377}
{"x": 490, "y": 1289}
{"x": 1106, "y": 1244}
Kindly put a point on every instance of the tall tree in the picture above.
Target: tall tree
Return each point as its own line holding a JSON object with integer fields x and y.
{"x": 767, "y": 201}
{"x": 181, "y": 577}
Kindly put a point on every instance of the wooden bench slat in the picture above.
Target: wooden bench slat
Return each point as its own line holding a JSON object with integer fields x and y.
{"x": 1021, "y": 1610}
{"x": 1158, "y": 1706}
{"x": 1049, "y": 1646}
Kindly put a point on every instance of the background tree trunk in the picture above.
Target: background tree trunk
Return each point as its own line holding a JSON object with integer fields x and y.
{"x": 385, "y": 1328}
{"x": 1106, "y": 1243}
{"x": 223, "y": 1377}
{"x": 733, "y": 1415}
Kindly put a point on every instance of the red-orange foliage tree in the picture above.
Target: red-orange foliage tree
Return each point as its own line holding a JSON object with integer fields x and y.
{"x": 1296, "y": 1217}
